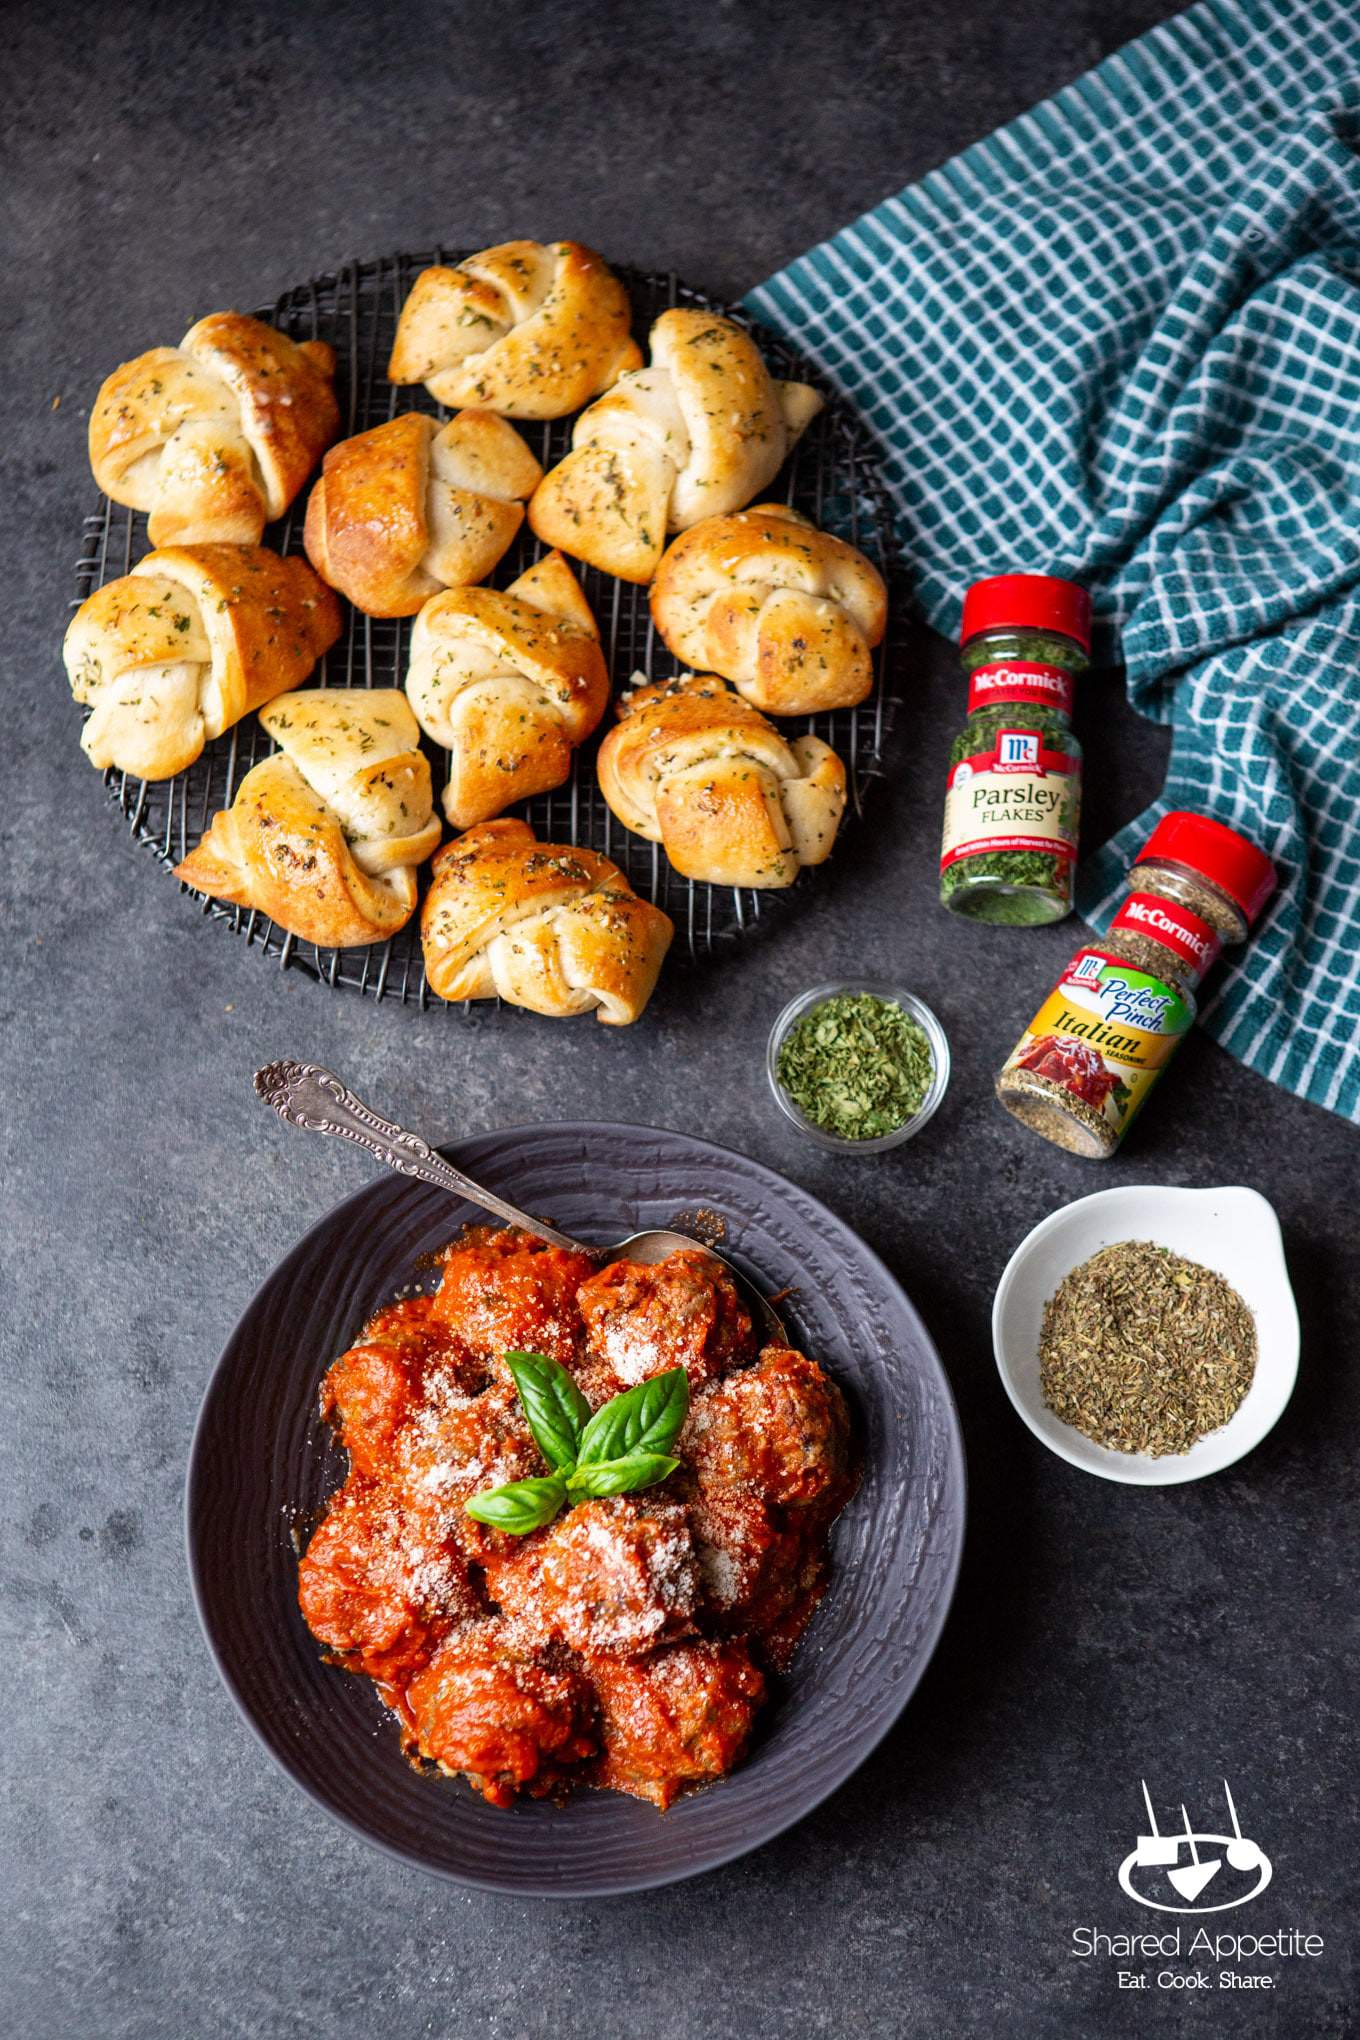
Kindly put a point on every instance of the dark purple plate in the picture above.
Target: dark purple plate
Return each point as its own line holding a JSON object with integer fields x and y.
{"x": 262, "y": 1462}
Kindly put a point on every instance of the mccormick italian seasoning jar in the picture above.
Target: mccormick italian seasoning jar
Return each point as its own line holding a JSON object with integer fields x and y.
{"x": 1014, "y": 790}
{"x": 1097, "y": 1045}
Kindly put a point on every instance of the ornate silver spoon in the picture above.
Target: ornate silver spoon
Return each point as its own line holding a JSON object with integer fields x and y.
{"x": 306, "y": 1095}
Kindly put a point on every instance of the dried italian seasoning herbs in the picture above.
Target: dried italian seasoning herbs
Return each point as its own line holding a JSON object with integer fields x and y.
{"x": 856, "y": 1065}
{"x": 1144, "y": 1351}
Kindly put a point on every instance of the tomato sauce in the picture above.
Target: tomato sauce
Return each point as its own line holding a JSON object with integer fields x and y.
{"x": 626, "y": 1644}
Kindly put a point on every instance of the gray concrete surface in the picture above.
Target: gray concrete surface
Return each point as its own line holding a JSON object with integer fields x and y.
{"x": 161, "y": 1879}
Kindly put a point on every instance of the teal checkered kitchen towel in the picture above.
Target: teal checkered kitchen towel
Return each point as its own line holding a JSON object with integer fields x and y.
{"x": 1120, "y": 340}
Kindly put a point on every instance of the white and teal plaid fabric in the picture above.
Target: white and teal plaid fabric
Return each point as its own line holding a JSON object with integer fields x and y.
{"x": 1120, "y": 340}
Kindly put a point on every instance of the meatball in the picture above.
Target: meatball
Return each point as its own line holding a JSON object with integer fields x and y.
{"x": 749, "y": 1565}
{"x": 779, "y": 1428}
{"x": 511, "y": 1570}
{"x": 503, "y": 1291}
{"x": 456, "y": 1446}
{"x": 614, "y": 1575}
{"x": 500, "y": 1715}
{"x": 684, "y": 1312}
{"x": 675, "y": 1718}
{"x": 371, "y": 1390}
{"x": 781, "y": 1626}
{"x": 379, "y": 1587}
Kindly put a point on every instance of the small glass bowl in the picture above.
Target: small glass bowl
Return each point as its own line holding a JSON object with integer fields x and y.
{"x": 915, "y": 1008}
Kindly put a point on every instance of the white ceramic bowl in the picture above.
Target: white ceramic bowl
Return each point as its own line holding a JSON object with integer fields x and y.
{"x": 1233, "y": 1231}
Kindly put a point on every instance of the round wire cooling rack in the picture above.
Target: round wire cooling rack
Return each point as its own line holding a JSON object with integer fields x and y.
{"x": 832, "y": 476}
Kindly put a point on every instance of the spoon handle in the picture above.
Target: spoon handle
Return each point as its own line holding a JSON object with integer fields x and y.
{"x": 306, "y": 1095}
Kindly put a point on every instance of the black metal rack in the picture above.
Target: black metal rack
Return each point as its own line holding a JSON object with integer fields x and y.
{"x": 832, "y": 475}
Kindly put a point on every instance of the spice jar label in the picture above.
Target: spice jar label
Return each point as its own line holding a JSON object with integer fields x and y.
{"x": 1021, "y": 680}
{"x": 1017, "y": 794}
{"x": 1103, "y": 1035}
{"x": 1174, "y": 926}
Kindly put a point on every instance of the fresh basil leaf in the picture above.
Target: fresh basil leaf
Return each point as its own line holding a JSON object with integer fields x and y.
{"x": 647, "y": 1418}
{"x": 520, "y": 1506}
{"x": 621, "y": 1476}
{"x": 554, "y": 1406}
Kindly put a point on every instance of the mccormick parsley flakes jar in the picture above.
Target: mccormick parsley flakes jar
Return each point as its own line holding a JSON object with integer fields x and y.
{"x": 1014, "y": 790}
{"x": 1100, "y": 1040}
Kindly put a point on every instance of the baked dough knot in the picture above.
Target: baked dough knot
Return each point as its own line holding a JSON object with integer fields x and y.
{"x": 696, "y": 434}
{"x": 412, "y": 507}
{"x": 531, "y": 329}
{"x": 325, "y": 837}
{"x": 191, "y": 640}
{"x": 214, "y": 438}
{"x": 543, "y": 925}
{"x": 509, "y": 681}
{"x": 789, "y": 614}
{"x": 694, "y": 767}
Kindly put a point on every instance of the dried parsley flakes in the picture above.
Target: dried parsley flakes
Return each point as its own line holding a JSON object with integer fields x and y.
{"x": 857, "y": 1066}
{"x": 1144, "y": 1351}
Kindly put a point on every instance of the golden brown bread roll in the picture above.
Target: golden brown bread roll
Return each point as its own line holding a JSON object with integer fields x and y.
{"x": 215, "y": 437}
{"x": 509, "y": 681}
{"x": 696, "y": 434}
{"x": 787, "y": 613}
{"x": 529, "y": 329}
{"x": 544, "y": 925}
{"x": 412, "y": 507}
{"x": 181, "y": 648}
{"x": 325, "y": 837}
{"x": 692, "y": 766}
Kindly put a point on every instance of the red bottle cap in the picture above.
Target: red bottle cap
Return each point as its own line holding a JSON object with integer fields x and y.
{"x": 1217, "y": 853}
{"x": 1027, "y": 602}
